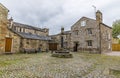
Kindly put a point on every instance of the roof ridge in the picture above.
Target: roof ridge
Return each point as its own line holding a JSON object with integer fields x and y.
{"x": 3, "y": 6}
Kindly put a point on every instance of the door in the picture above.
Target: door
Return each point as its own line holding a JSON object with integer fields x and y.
{"x": 53, "y": 46}
{"x": 76, "y": 47}
{"x": 8, "y": 44}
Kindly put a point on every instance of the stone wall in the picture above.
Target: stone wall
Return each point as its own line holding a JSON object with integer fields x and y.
{"x": 15, "y": 41}
{"x": 3, "y": 27}
{"x": 66, "y": 40}
{"x": 34, "y": 44}
{"x": 80, "y": 34}
{"x": 106, "y": 38}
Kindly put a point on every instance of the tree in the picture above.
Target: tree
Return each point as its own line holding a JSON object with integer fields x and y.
{"x": 116, "y": 29}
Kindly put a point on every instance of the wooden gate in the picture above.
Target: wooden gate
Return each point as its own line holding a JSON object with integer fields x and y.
{"x": 115, "y": 47}
{"x": 8, "y": 44}
{"x": 53, "y": 46}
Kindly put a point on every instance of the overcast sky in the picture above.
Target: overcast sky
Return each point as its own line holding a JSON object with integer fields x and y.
{"x": 55, "y": 14}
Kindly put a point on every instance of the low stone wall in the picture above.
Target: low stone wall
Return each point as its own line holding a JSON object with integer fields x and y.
{"x": 89, "y": 50}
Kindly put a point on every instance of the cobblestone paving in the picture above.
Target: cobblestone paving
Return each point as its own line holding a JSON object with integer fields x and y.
{"x": 42, "y": 65}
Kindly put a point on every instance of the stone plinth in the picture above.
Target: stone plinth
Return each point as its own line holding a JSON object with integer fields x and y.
{"x": 62, "y": 54}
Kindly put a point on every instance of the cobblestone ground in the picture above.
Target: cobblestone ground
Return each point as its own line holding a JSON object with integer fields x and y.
{"x": 42, "y": 65}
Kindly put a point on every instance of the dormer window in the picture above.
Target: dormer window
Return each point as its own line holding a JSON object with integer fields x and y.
{"x": 83, "y": 23}
{"x": 20, "y": 30}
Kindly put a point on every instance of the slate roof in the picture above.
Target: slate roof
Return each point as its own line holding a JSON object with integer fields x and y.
{"x": 67, "y": 32}
{"x": 27, "y": 26}
{"x": 32, "y": 36}
{"x": 1, "y": 5}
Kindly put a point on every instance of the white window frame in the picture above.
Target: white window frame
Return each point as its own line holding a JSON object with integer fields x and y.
{"x": 83, "y": 23}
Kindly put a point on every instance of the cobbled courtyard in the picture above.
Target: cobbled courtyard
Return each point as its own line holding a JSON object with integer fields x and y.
{"x": 42, "y": 65}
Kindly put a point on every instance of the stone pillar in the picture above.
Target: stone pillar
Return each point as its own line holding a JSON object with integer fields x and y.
{"x": 62, "y": 38}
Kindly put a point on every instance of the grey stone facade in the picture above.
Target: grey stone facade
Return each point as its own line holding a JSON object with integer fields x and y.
{"x": 88, "y": 35}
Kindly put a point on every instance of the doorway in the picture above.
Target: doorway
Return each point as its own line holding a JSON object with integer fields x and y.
{"x": 76, "y": 46}
{"x": 8, "y": 44}
{"x": 53, "y": 46}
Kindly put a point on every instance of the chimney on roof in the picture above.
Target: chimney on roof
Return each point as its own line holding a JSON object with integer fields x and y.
{"x": 11, "y": 19}
{"x": 62, "y": 30}
{"x": 99, "y": 17}
{"x": 11, "y": 22}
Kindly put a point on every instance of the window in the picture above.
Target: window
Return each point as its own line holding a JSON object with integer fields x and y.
{"x": 109, "y": 36}
{"x": 76, "y": 32}
{"x": 20, "y": 30}
{"x": 24, "y": 30}
{"x": 83, "y": 23}
{"x": 89, "y": 42}
{"x": 14, "y": 28}
{"x": 89, "y": 31}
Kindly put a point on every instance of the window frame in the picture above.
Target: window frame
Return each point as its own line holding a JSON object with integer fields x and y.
{"x": 83, "y": 23}
{"x": 89, "y": 43}
{"x": 76, "y": 32}
{"x": 89, "y": 31}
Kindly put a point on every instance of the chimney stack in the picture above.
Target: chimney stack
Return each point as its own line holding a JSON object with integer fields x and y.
{"x": 99, "y": 17}
{"x": 62, "y": 30}
{"x": 11, "y": 22}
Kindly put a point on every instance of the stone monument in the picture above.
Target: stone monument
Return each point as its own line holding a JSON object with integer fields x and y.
{"x": 62, "y": 53}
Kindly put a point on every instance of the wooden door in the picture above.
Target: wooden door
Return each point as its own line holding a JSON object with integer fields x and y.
{"x": 52, "y": 46}
{"x": 8, "y": 44}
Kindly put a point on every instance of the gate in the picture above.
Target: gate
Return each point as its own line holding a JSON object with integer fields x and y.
{"x": 115, "y": 47}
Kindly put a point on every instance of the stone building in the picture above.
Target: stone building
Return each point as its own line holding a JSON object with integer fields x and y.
{"x": 89, "y": 35}
{"x": 16, "y": 37}
{"x": 61, "y": 40}
{"x": 26, "y": 37}
{"x": 3, "y": 26}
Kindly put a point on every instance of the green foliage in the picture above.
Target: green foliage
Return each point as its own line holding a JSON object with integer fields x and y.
{"x": 116, "y": 28}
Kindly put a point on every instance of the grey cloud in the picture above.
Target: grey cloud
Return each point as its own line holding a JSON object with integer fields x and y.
{"x": 54, "y": 14}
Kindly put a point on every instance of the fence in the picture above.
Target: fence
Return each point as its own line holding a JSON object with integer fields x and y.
{"x": 115, "y": 47}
